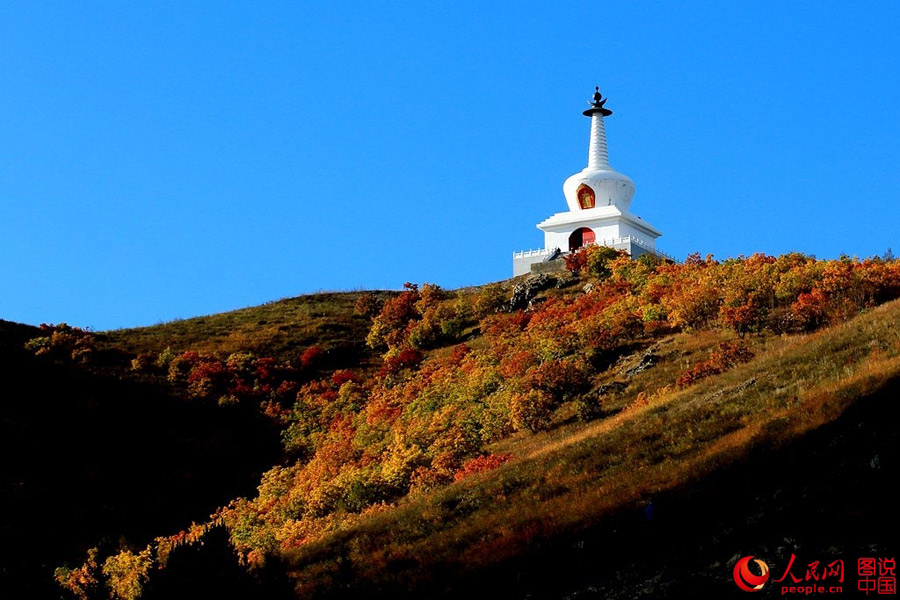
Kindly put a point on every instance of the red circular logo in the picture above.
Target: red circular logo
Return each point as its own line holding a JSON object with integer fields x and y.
{"x": 746, "y": 580}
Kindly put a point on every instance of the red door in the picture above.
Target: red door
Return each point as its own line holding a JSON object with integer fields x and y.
{"x": 581, "y": 237}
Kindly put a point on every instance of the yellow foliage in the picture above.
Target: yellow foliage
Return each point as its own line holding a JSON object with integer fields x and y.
{"x": 127, "y": 572}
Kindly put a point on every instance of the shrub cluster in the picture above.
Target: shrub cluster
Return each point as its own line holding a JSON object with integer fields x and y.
{"x": 63, "y": 342}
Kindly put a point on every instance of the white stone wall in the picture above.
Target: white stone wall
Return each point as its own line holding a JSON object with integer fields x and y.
{"x": 522, "y": 266}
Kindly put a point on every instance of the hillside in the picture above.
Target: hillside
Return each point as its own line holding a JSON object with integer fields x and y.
{"x": 791, "y": 452}
{"x": 627, "y": 429}
{"x": 275, "y": 329}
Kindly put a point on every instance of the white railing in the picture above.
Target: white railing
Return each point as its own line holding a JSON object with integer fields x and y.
{"x": 609, "y": 242}
{"x": 530, "y": 253}
{"x": 648, "y": 247}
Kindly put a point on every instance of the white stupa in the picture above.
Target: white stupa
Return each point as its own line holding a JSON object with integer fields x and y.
{"x": 599, "y": 199}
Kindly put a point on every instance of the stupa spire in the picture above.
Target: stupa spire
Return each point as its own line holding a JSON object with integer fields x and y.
{"x": 598, "y": 156}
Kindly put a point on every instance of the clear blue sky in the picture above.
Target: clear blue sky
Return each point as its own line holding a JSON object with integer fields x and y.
{"x": 161, "y": 160}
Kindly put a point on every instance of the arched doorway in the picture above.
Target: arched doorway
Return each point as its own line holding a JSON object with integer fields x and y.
{"x": 581, "y": 237}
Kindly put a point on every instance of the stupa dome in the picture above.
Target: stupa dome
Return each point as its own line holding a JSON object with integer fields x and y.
{"x": 598, "y": 187}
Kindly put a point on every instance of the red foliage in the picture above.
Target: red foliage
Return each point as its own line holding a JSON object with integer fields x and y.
{"x": 182, "y": 365}
{"x": 208, "y": 370}
{"x": 458, "y": 353}
{"x": 242, "y": 389}
{"x": 503, "y": 325}
{"x": 342, "y": 376}
{"x": 311, "y": 356}
{"x": 810, "y": 309}
{"x": 515, "y": 365}
{"x": 481, "y": 464}
{"x": 287, "y": 390}
{"x": 576, "y": 261}
{"x": 724, "y": 357}
{"x": 408, "y": 358}
{"x": 745, "y": 317}
{"x": 558, "y": 378}
{"x": 209, "y": 378}
{"x": 392, "y": 325}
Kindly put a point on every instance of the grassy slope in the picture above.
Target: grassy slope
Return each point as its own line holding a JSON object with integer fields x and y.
{"x": 279, "y": 329}
{"x": 575, "y": 478}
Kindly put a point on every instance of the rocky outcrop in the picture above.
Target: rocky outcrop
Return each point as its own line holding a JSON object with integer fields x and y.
{"x": 524, "y": 292}
{"x": 646, "y": 360}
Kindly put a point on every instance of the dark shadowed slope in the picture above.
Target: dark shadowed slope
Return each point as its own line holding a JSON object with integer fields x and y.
{"x": 90, "y": 458}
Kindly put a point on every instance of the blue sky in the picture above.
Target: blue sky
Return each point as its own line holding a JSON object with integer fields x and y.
{"x": 166, "y": 159}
